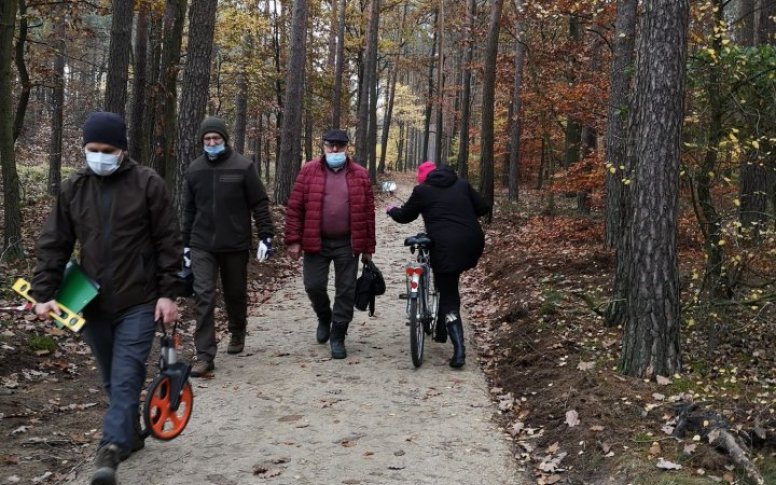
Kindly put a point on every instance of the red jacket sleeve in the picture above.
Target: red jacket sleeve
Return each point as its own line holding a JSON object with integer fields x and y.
{"x": 295, "y": 210}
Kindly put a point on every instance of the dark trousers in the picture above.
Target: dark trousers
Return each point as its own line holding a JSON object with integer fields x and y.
{"x": 316, "y": 280}
{"x": 206, "y": 266}
{"x": 449, "y": 297}
{"x": 121, "y": 346}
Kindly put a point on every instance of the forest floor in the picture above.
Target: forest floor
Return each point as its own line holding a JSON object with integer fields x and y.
{"x": 550, "y": 363}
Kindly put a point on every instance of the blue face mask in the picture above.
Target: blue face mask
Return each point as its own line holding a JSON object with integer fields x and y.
{"x": 103, "y": 164}
{"x": 215, "y": 150}
{"x": 336, "y": 160}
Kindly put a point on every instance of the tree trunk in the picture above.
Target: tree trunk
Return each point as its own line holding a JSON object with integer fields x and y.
{"x": 153, "y": 59}
{"x": 139, "y": 85}
{"x": 288, "y": 162}
{"x": 118, "y": 61}
{"x": 367, "y": 80}
{"x": 514, "y": 142}
{"x": 651, "y": 334}
{"x": 266, "y": 152}
{"x": 165, "y": 129}
{"x": 57, "y": 113}
{"x": 430, "y": 98}
{"x": 194, "y": 90}
{"x": 573, "y": 134}
{"x": 617, "y": 161}
{"x": 277, "y": 47}
{"x": 711, "y": 221}
{"x": 391, "y": 89}
{"x": 440, "y": 90}
{"x": 753, "y": 180}
{"x": 463, "y": 145}
{"x": 21, "y": 69}
{"x": 12, "y": 223}
{"x": 339, "y": 66}
{"x": 488, "y": 103}
{"x": 240, "y": 113}
{"x": 617, "y": 119}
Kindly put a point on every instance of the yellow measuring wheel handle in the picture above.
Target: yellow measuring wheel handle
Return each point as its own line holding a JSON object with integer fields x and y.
{"x": 68, "y": 318}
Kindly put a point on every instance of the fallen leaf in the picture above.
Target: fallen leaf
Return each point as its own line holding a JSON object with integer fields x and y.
{"x": 516, "y": 428}
{"x": 583, "y": 366}
{"x": 655, "y": 449}
{"x": 689, "y": 449}
{"x": 663, "y": 381}
{"x": 572, "y": 418}
{"x": 597, "y": 427}
{"x": 664, "y": 464}
{"x": 552, "y": 465}
{"x": 553, "y": 448}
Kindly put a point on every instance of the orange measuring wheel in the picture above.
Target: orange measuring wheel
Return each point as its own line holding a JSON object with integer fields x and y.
{"x": 165, "y": 416}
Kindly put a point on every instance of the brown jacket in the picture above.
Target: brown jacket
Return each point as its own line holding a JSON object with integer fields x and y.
{"x": 128, "y": 233}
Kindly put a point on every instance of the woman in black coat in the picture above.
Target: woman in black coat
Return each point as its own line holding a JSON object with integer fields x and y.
{"x": 450, "y": 208}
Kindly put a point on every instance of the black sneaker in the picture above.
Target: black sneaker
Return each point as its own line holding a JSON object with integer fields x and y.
{"x": 323, "y": 332}
{"x": 105, "y": 464}
{"x": 236, "y": 344}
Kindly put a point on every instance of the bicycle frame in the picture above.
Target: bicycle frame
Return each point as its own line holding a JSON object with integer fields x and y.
{"x": 421, "y": 296}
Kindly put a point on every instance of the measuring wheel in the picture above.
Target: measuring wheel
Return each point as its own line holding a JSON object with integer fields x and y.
{"x": 169, "y": 399}
{"x": 165, "y": 417}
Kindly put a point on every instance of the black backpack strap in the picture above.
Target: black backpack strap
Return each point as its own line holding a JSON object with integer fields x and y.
{"x": 372, "y": 305}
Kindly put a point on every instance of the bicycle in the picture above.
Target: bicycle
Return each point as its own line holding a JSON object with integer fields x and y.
{"x": 422, "y": 296}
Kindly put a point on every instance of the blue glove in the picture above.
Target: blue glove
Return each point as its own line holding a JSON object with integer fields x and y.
{"x": 187, "y": 257}
{"x": 265, "y": 249}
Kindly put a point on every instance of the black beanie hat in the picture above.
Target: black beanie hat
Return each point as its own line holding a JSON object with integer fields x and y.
{"x": 335, "y": 135}
{"x": 212, "y": 124}
{"x": 105, "y": 127}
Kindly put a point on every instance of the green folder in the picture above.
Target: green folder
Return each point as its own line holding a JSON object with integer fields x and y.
{"x": 77, "y": 289}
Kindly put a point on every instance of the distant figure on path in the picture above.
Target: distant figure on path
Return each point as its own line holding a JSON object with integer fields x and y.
{"x": 122, "y": 216}
{"x": 450, "y": 208}
{"x": 331, "y": 218}
{"x": 222, "y": 190}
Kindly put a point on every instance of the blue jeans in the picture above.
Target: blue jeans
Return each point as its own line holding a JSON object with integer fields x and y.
{"x": 121, "y": 346}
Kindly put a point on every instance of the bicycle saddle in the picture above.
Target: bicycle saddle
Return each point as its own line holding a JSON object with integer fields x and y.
{"x": 421, "y": 240}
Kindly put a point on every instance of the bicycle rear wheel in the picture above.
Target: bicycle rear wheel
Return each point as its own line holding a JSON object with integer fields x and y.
{"x": 417, "y": 335}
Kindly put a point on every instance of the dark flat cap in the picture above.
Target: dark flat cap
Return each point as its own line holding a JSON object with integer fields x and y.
{"x": 335, "y": 135}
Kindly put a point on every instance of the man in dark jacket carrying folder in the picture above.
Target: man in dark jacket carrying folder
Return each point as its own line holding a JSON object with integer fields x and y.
{"x": 122, "y": 216}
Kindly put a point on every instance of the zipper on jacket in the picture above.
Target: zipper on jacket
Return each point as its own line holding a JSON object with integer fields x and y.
{"x": 106, "y": 219}
{"x": 213, "y": 209}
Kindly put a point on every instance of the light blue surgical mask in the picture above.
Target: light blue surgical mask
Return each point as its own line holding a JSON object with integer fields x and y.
{"x": 336, "y": 160}
{"x": 103, "y": 164}
{"x": 215, "y": 150}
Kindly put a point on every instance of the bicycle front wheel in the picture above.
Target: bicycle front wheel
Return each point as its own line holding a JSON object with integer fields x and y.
{"x": 417, "y": 335}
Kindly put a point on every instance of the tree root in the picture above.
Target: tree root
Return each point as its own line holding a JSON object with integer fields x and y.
{"x": 716, "y": 431}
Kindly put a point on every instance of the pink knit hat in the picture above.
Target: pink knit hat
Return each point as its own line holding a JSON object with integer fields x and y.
{"x": 424, "y": 169}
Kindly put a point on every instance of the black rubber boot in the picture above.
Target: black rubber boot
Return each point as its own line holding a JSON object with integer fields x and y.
{"x": 105, "y": 464}
{"x": 455, "y": 329}
{"x": 338, "y": 332}
{"x": 323, "y": 331}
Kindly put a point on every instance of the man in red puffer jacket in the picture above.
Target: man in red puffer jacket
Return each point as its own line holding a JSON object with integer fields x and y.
{"x": 331, "y": 218}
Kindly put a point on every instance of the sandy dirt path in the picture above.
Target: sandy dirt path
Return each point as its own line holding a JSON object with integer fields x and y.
{"x": 284, "y": 412}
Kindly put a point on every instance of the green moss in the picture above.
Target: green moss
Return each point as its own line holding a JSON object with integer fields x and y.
{"x": 38, "y": 343}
